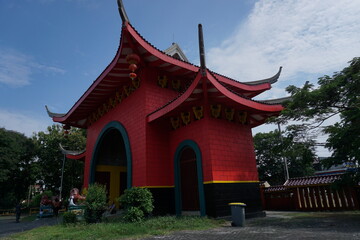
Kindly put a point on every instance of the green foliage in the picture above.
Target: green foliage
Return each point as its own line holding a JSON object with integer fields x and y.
{"x": 50, "y": 157}
{"x": 347, "y": 179}
{"x": 69, "y": 218}
{"x": 133, "y": 214}
{"x": 18, "y": 168}
{"x": 271, "y": 149}
{"x": 336, "y": 95}
{"x": 95, "y": 204}
{"x": 35, "y": 201}
{"x": 137, "y": 202}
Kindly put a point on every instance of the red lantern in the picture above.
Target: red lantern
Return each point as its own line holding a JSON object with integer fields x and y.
{"x": 133, "y": 58}
{"x": 66, "y": 127}
{"x": 132, "y": 67}
{"x": 132, "y": 76}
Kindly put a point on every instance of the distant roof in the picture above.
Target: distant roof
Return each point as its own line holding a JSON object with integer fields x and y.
{"x": 276, "y": 188}
{"x": 313, "y": 180}
{"x": 175, "y": 51}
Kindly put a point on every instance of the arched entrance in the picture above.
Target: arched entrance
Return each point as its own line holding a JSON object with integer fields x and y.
{"x": 189, "y": 189}
{"x": 111, "y": 162}
{"x": 188, "y": 176}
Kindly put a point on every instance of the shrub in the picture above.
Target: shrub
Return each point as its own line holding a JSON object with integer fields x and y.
{"x": 138, "y": 203}
{"x": 133, "y": 214}
{"x": 35, "y": 202}
{"x": 95, "y": 203}
{"x": 69, "y": 218}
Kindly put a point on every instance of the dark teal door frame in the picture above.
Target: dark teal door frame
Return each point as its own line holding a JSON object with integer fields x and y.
{"x": 111, "y": 126}
{"x": 178, "y": 202}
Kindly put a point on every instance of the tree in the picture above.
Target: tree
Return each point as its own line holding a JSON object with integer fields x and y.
{"x": 18, "y": 167}
{"x": 336, "y": 95}
{"x": 50, "y": 157}
{"x": 271, "y": 149}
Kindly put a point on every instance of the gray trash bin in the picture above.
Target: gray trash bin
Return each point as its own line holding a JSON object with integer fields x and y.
{"x": 238, "y": 214}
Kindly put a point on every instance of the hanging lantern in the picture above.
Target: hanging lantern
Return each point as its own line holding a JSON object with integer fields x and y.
{"x": 133, "y": 67}
{"x": 132, "y": 75}
{"x": 133, "y": 58}
{"x": 66, "y": 127}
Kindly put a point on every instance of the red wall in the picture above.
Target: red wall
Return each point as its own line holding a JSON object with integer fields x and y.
{"x": 131, "y": 113}
{"x": 232, "y": 152}
{"x": 227, "y": 148}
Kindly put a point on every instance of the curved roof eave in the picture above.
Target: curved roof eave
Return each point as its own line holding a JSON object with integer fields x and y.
{"x": 243, "y": 86}
{"x": 270, "y": 80}
{"x": 57, "y": 117}
{"x": 176, "y": 102}
{"x": 156, "y": 52}
{"x": 92, "y": 86}
{"x": 257, "y": 85}
{"x": 244, "y": 101}
{"x": 52, "y": 114}
{"x": 277, "y": 100}
{"x": 261, "y": 106}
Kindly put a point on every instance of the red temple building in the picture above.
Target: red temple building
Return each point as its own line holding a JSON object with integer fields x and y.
{"x": 154, "y": 120}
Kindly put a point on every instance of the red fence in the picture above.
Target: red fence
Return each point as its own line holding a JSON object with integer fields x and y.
{"x": 310, "y": 198}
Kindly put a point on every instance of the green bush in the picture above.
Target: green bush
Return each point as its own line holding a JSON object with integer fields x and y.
{"x": 95, "y": 203}
{"x": 35, "y": 202}
{"x": 138, "y": 204}
{"x": 69, "y": 218}
{"x": 133, "y": 214}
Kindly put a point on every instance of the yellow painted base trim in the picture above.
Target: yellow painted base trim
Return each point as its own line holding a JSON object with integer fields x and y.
{"x": 156, "y": 187}
{"x": 209, "y": 182}
{"x": 109, "y": 168}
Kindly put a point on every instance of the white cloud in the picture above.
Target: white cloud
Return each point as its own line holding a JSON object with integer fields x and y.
{"x": 309, "y": 36}
{"x": 25, "y": 123}
{"x": 17, "y": 68}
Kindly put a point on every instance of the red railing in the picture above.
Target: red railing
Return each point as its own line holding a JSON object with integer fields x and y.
{"x": 310, "y": 198}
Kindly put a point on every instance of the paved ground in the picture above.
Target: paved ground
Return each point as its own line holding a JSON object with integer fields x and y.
{"x": 9, "y": 226}
{"x": 282, "y": 225}
{"x": 277, "y": 225}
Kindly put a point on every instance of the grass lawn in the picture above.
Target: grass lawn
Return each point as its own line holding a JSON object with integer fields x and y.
{"x": 115, "y": 229}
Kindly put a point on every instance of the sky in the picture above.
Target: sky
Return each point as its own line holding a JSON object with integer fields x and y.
{"x": 52, "y": 50}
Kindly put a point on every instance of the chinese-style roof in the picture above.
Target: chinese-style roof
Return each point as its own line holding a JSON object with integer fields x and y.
{"x": 218, "y": 92}
{"x": 311, "y": 181}
{"x": 116, "y": 76}
{"x": 77, "y": 155}
{"x": 277, "y": 188}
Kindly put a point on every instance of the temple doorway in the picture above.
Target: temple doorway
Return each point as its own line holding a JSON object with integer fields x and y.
{"x": 111, "y": 163}
{"x": 189, "y": 181}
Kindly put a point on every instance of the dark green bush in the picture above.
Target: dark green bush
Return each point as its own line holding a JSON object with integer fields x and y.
{"x": 35, "y": 201}
{"x": 95, "y": 203}
{"x": 69, "y": 218}
{"x": 138, "y": 204}
{"x": 133, "y": 214}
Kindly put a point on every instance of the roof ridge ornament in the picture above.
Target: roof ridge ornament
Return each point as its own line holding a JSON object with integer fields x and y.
{"x": 122, "y": 12}
{"x": 202, "y": 51}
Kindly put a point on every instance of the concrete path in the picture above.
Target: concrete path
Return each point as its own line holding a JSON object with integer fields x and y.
{"x": 281, "y": 225}
{"x": 8, "y": 225}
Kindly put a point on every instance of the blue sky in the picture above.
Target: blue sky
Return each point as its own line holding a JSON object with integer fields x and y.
{"x": 52, "y": 50}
